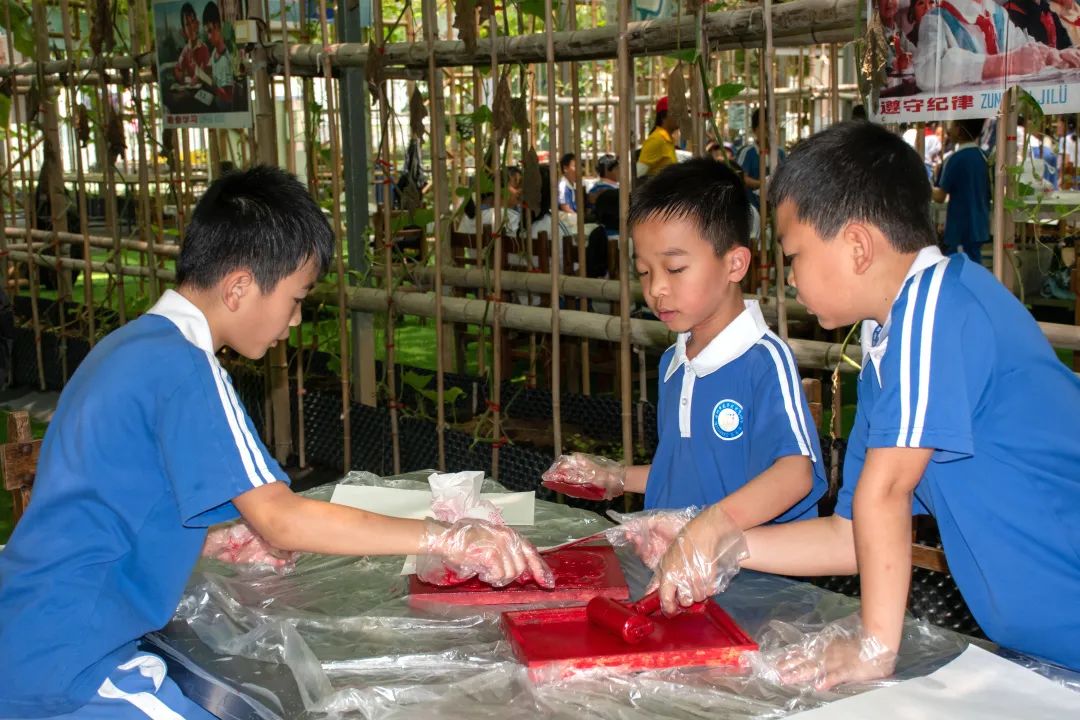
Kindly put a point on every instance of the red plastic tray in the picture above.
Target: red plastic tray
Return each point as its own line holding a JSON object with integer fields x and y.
{"x": 581, "y": 573}
{"x": 556, "y": 642}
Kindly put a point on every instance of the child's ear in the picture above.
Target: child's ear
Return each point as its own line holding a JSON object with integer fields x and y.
{"x": 235, "y": 286}
{"x": 738, "y": 263}
{"x": 859, "y": 238}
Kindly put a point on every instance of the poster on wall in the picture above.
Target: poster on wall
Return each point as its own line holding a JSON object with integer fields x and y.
{"x": 201, "y": 69}
{"x": 953, "y": 59}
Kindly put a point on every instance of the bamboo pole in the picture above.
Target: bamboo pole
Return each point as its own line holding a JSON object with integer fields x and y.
{"x": 98, "y": 241}
{"x": 53, "y": 167}
{"x": 80, "y": 186}
{"x": 834, "y": 84}
{"x": 497, "y": 234}
{"x": 29, "y": 212}
{"x": 139, "y": 40}
{"x": 438, "y": 164}
{"x": 800, "y": 22}
{"x": 335, "y": 184}
{"x": 605, "y": 328}
{"x": 764, "y": 123}
{"x": 579, "y": 191}
{"x": 290, "y": 165}
{"x": 478, "y": 163}
{"x": 388, "y": 250}
{"x": 622, "y": 139}
{"x": 555, "y": 235}
{"x": 1001, "y": 180}
{"x": 799, "y": 109}
{"x": 774, "y": 161}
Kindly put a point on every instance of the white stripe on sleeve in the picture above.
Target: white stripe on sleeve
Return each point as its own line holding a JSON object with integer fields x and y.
{"x": 926, "y": 345}
{"x": 785, "y": 391}
{"x": 905, "y": 362}
{"x": 796, "y": 390}
{"x": 234, "y": 424}
{"x": 149, "y": 704}
{"x": 260, "y": 459}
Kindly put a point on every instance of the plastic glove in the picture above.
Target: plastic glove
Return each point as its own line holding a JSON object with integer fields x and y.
{"x": 496, "y": 554}
{"x": 649, "y": 532}
{"x": 589, "y": 477}
{"x": 239, "y": 544}
{"x": 701, "y": 560}
{"x": 840, "y": 652}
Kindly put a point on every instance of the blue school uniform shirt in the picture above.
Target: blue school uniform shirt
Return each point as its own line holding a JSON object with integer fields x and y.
{"x": 962, "y": 368}
{"x": 966, "y": 177}
{"x": 148, "y": 446}
{"x": 750, "y": 162}
{"x": 727, "y": 415}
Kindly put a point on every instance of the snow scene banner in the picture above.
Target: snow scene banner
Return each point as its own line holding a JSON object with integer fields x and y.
{"x": 201, "y": 69}
{"x": 952, "y": 59}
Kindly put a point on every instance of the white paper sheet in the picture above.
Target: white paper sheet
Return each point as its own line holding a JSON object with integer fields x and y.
{"x": 978, "y": 685}
{"x": 517, "y": 508}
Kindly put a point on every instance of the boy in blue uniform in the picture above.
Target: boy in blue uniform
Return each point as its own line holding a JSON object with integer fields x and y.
{"x": 964, "y": 412}
{"x": 735, "y": 430}
{"x": 965, "y": 181}
{"x": 149, "y": 446}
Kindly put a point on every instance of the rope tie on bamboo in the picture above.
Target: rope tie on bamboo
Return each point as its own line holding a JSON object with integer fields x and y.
{"x": 395, "y": 405}
{"x": 501, "y": 442}
{"x": 493, "y": 406}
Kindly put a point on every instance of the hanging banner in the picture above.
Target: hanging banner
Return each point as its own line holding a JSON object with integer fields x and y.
{"x": 201, "y": 69}
{"x": 952, "y": 59}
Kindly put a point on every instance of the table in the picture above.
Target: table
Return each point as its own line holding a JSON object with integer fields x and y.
{"x": 336, "y": 638}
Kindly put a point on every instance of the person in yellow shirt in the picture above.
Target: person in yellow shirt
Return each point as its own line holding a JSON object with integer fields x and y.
{"x": 658, "y": 150}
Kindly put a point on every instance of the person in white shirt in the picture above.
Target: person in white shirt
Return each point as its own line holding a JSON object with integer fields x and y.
{"x": 969, "y": 42}
{"x": 568, "y": 183}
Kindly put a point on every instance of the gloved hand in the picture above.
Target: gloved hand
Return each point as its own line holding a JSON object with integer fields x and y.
{"x": 237, "y": 543}
{"x": 649, "y": 532}
{"x": 701, "y": 560}
{"x": 589, "y": 477}
{"x": 496, "y": 554}
{"x": 840, "y": 652}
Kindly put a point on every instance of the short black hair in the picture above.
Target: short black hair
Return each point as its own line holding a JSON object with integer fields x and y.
{"x": 211, "y": 14}
{"x": 971, "y": 127}
{"x": 858, "y": 112}
{"x": 858, "y": 171}
{"x": 755, "y": 118}
{"x": 188, "y": 9}
{"x": 566, "y": 159}
{"x": 606, "y": 164}
{"x": 661, "y": 115}
{"x": 262, "y": 219}
{"x": 703, "y": 191}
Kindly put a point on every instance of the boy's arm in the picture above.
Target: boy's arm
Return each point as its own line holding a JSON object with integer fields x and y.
{"x": 882, "y": 524}
{"x": 637, "y": 478}
{"x": 292, "y": 522}
{"x": 787, "y": 481}
{"x": 821, "y": 546}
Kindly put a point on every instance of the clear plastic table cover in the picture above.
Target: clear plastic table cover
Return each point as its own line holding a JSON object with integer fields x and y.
{"x": 337, "y": 638}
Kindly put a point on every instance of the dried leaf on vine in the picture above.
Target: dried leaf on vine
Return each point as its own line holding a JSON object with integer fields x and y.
{"x": 503, "y": 110}
{"x": 375, "y": 69}
{"x": 410, "y": 195}
{"x": 82, "y": 125}
{"x": 465, "y": 22}
{"x": 875, "y": 53}
{"x": 114, "y": 137}
{"x": 530, "y": 191}
{"x": 417, "y": 113}
{"x": 102, "y": 37}
{"x": 677, "y": 109}
{"x": 521, "y": 113}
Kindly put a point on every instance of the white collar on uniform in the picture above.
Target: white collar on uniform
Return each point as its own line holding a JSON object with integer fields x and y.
{"x": 186, "y": 317}
{"x": 739, "y": 336}
{"x": 873, "y": 348}
{"x": 969, "y": 9}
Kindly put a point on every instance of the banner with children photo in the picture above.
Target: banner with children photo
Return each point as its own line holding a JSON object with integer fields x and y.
{"x": 953, "y": 59}
{"x": 201, "y": 70}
